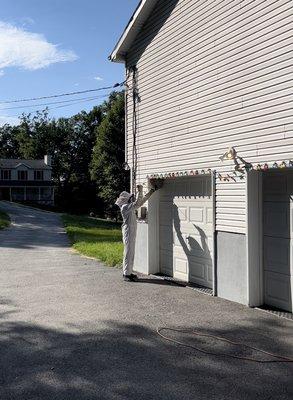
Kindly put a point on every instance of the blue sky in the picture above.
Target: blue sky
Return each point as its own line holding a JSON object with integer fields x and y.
{"x": 57, "y": 46}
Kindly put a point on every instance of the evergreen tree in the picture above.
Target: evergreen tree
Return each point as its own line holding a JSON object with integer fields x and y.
{"x": 108, "y": 155}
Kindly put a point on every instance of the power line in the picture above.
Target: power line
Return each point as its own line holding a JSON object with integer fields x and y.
{"x": 63, "y": 94}
{"x": 61, "y": 106}
{"x": 55, "y": 102}
{"x": 77, "y": 102}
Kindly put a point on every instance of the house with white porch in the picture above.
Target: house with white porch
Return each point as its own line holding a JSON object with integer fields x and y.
{"x": 27, "y": 181}
{"x": 209, "y": 109}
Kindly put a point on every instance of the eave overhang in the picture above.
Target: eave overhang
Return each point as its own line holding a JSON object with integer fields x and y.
{"x": 133, "y": 27}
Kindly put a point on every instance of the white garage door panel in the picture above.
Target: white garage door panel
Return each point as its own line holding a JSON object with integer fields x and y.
{"x": 177, "y": 242}
{"x": 276, "y": 219}
{"x": 201, "y": 270}
{"x": 186, "y": 229}
{"x": 182, "y": 211}
{"x": 277, "y": 254}
{"x": 278, "y": 238}
{"x": 198, "y": 271}
{"x": 196, "y": 214}
{"x": 200, "y": 249}
{"x": 193, "y": 245}
{"x": 278, "y": 290}
{"x": 180, "y": 265}
{"x": 209, "y": 215}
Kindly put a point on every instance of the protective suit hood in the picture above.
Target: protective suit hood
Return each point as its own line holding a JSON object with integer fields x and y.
{"x": 123, "y": 199}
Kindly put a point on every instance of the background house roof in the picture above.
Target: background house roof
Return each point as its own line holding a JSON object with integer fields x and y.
{"x": 10, "y": 163}
{"x": 133, "y": 27}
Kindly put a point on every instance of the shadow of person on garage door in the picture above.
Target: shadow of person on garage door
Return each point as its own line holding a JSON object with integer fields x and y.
{"x": 198, "y": 254}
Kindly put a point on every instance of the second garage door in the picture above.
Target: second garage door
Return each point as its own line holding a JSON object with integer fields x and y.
{"x": 186, "y": 229}
{"x": 278, "y": 239}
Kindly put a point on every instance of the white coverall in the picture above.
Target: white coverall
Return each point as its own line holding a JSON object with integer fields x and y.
{"x": 129, "y": 225}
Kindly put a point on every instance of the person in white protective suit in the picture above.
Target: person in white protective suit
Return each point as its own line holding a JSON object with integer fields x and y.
{"x": 128, "y": 205}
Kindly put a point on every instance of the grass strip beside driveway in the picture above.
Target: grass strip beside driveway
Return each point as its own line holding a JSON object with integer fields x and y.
{"x": 96, "y": 238}
{"x": 4, "y": 220}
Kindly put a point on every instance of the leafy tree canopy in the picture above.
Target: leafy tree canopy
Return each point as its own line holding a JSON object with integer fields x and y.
{"x": 87, "y": 152}
{"x": 108, "y": 153}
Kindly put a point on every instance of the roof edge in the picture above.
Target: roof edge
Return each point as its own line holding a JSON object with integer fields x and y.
{"x": 14, "y": 163}
{"x": 133, "y": 27}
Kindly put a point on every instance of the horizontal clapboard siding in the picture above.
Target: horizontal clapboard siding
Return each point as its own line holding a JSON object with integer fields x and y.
{"x": 213, "y": 74}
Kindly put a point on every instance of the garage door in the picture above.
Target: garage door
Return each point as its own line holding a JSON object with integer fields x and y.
{"x": 186, "y": 230}
{"x": 278, "y": 228}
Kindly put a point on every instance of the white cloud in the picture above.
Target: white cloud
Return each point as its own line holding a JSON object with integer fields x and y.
{"x": 28, "y": 50}
{"x": 2, "y": 72}
{"x": 98, "y": 78}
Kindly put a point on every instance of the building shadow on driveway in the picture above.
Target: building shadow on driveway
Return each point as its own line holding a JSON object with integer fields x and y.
{"x": 127, "y": 361}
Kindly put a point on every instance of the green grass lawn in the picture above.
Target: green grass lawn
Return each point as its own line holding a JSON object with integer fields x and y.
{"x": 4, "y": 220}
{"x": 96, "y": 238}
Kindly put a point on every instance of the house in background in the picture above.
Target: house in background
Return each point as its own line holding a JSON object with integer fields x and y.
{"x": 209, "y": 108}
{"x": 27, "y": 181}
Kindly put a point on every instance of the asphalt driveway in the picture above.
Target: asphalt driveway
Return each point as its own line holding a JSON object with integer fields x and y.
{"x": 70, "y": 328}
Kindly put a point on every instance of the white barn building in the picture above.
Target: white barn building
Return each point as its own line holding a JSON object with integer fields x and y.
{"x": 209, "y": 108}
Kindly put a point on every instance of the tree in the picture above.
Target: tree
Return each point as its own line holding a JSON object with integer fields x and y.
{"x": 77, "y": 191}
{"x": 108, "y": 154}
{"x": 70, "y": 142}
{"x": 9, "y": 146}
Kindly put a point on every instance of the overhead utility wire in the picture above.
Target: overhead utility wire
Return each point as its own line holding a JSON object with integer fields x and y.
{"x": 56, "y": 102}
{"x": 76, "y": 102}
{"x": 64, "y": 94}
{"x": 63, "y": 105}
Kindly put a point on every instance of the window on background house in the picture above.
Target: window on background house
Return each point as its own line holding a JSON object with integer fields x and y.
{"x": 5, "y": 174}
{"x": 38, "y": 175}
{"x": 22, "y": 175}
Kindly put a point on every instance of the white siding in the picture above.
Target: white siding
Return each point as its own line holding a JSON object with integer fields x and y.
{"x": 214, "y": 74}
